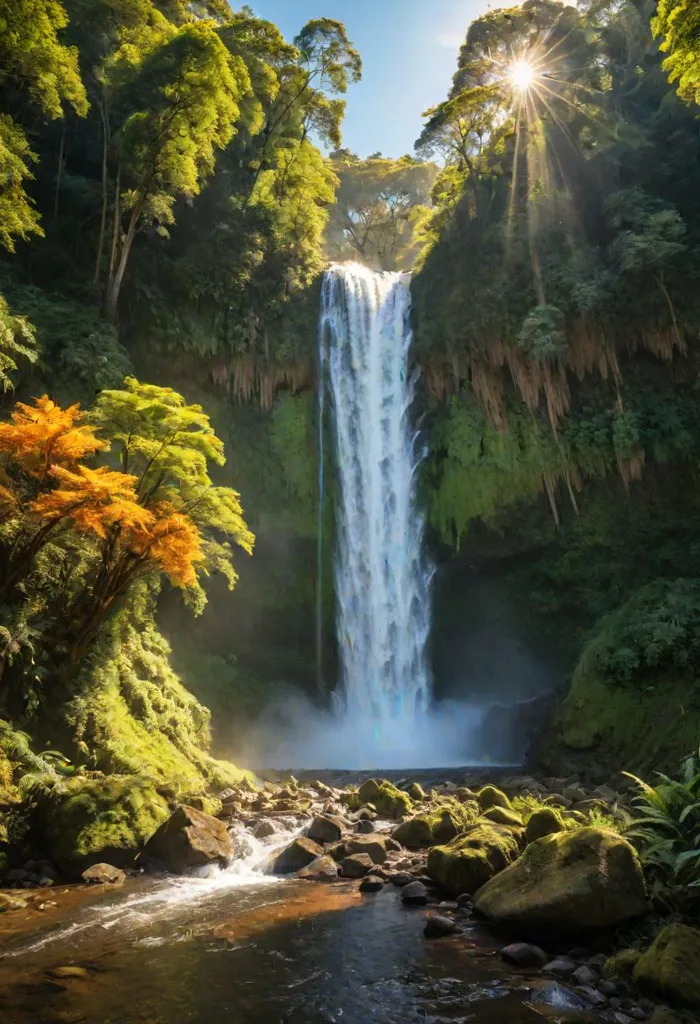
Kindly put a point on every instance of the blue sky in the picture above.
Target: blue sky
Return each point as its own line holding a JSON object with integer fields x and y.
{"x": 409, "y": 50}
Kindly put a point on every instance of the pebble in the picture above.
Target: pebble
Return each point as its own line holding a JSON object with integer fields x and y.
{"x": 364, "y": 827}
{"x": 437, "y": 926}
{"x": 561, "y": 967}
{"x": 524, "y": 954}
{"x": 594, "y": 997}
{"x": 608, "y": 988}
{"x": 414, "y": 893}
{"x": 371, "y": 884}
{"x": 401, "y": 878}
{"x": 585, "y": 975}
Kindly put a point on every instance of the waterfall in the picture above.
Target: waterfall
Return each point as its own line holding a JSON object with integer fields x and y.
{"x": 381, "y": 579}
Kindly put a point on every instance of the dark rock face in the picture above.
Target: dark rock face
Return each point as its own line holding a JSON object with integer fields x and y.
{"x": 357, "y": 865}
{"x": 190, "y": 839}
{"x": 301, "y": 852}
{"x": 103, "y": 874}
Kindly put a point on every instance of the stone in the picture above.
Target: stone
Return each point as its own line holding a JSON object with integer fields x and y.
{"x": 592, "y": 995}
{"x": 103, "y": 874}
{"x": 490, "y": 796}
{"x": 401, "y": 878}
{"x": 437, "y": 926}
{"x": 372, "y": 883}
{"x": 365, "y": 814}
{"x": 608, "y": 988}
{"x": 585, "y": 975}
{"x": 579, "y": 953}
{"x": 59, "y": 973}
{"x": 374, "y": 846}
{"x": 18, "y": 875}
{"x": 413, "y": 833}
{"x": 325, "y": 829}
{"x": 368, "y": 791}
{"x": 13, "y": 902}
{"x": 502, "y": 816}
{"x": 665, "y": 1015}
{"x": 415, "y": 893}
{"x": 473, "y": 858}
{"x": 364, "y": 827}
{"x": 669, "y": 969}
{"x": 392, "y": 845}
{"x": 622, "y": 963}
{"x": 557, "y": 800}
{"x": 356, "y": 865}
{"x": 320, "y": 869}
{"x": 546, "y": 821}
{"x": 416, "y": 792}
{"x": 561, "y": 967}
{"x": 584, "y": 880}
{"x": 264, "y": 829}
{"x": 300, "y": 852}
{"x": 190, "y": 839}
{"x": 524, "y": 954}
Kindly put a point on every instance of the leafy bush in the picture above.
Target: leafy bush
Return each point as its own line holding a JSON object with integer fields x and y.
{"x": 667, "y": 834}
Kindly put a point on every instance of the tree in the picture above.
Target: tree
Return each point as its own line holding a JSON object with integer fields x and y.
{"x": 17, "y": 341}
{"x": 34, "y": 64}
{"x": 378, "y": 204}
{"x": 678, "y": 22}
{"x": 186, "y": 93}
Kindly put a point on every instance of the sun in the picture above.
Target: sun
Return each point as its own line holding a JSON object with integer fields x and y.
{"x": 522, "y": 74}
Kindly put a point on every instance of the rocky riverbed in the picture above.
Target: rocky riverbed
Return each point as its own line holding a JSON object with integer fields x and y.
{"x": 521, "y": 896}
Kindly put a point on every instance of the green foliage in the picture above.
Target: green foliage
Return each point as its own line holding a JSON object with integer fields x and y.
{"x": 678, "y": 21}
{"x": 17, "y": 342}
{"x": 666, "y": 829}
{"x": 18, "y": 218}
{"x": 656, "y": 630}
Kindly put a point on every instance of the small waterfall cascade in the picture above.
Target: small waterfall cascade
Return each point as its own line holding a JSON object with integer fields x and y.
{"x": 381, "y": 578}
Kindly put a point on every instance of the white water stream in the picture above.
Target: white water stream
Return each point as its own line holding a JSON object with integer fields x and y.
{"x": 381, "y": 578}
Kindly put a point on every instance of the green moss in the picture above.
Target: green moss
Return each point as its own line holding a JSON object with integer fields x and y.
{"x": 543, "y": 822}
{"x": 503, "y": 816}
{"x": 388, "y": 801}
{"x": 102, "y": 819}
{"x": 465, "y": 864}
{"x": 621, "y": 964}
{"x": 490, "y": 796}
{"x": 416, "y": 792}
{"x": 629, "y": 727}
{"x": 440, "y": 822}
{"x": 669, "y": 968}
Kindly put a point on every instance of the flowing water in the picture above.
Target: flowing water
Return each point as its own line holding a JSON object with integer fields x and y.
{"x": 248, "y": 948}
{"x": 381, "y": 577}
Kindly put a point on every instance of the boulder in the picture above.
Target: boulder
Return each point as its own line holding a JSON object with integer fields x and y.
{"x": 439, "y": 925}
{"x": 490, "y": 796}
{"x": 414, "y": 894}
{"x": 561, "y": 967}
{"x": 190, "y": 839}
{"x": 265, "y": 829}
{"x": 368, "y": 791}
{"x": 621, "y": 964}
{"x": 364, "y": 827}
{"x": 320, "y": 869}
{"x": 588, "y": 879}
{"x": 374, "y": 846}
{"x": 372, "y": 883}
{"x": 524, "y": 954}
{"x": 670, "y": 969}
{"x": 546, "y": 821}
{"x": 502, "y": 816}
{"x": 416, "y": 792}
{"x": 388, "y": 801}
{"x": 469, "y": 861}
{"x": 300, "y": 852}
{"x": 103, "y": 874}
{"x": 325, "y": 829}
{"x": 357, "y": 865}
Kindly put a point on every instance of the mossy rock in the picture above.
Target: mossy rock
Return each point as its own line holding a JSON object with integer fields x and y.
{"x": 439, "y": 823}
{"x": 546, "y": 821}
{"x": 414, "y": 833}
{"x": 465, "y": 864}
{"x": 104, "y": 819}
{"x": 491, "y": 796}
{"x": 622, "y": 963}
{"x": 669, "y": 968}
{"x": 388, "y": 801}
{"x": 588, "y": 879}
{"x": 503, "y": 816}
{"x": 416, "y": 792}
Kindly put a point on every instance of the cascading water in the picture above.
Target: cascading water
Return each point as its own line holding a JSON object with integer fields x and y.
{"x": 381, "y": 579}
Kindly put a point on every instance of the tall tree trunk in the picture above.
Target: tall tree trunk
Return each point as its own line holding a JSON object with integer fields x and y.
{"x": 117, "y": 278}
{"x": 59, "y": 173}
{"x": 103, "y": 215}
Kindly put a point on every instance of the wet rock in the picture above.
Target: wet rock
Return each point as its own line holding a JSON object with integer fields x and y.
{"x": 593, "y": 996}
{"x": 503, "y": 816}
{"x": 524, "y": 954}
{"x": 401, "y": 878}
{"x": 372, "y": 883}
{"x": 392, "y": 845}
{"x": 374, "y": 846}
{"x": 473, "y": 858}
{"x": 608, "y": 988}
{"x": 356, "y": 865}
{"x": 325, "y": 829}
{"x": 365, "y": 814}
{"x": 573, "y": 881}
{"x": 669, "y": 968}
{"x": 8, "y": 902}
{"x": 265, "y": 829}
{"x": 438, "y": 925}
{"x": 300, "y": 852}
{"x": 103, "y": 874}
{"x": 60, "y": 973}
{"x": 190, "y": 839}
{"x": 490, "y": 796}
{"x": 561, "y": 967}
{"x": 544, "y": 822}
{"x": 585, "y": 975}
{"x": 364, "y": 827}
{"x": 557, "y": 800}
{"x": 415, "y": 893}
{"x": 321, "y": 869}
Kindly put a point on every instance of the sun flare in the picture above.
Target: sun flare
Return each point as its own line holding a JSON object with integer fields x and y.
{"x": 522, "y": 74}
